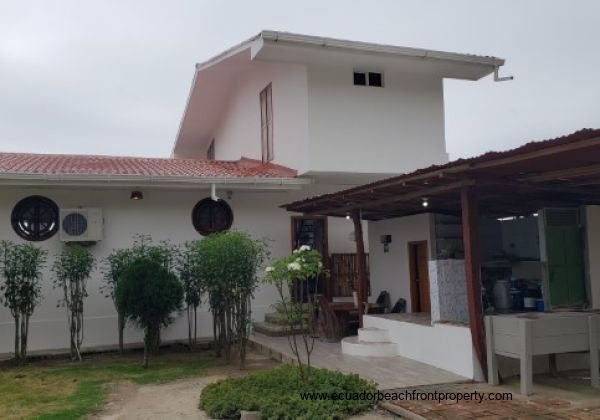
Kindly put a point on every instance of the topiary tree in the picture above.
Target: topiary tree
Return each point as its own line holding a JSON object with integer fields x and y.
{"x": 22, "y": 271}
{"x": 148, "y": 293}
{"x": 294, "y": 272}
{"x": 193, "y": 286}
{"x": 114, "y": 265}
{"x": 71, "y": 269}
{"x": 118, "y": 260}
{"x": 228, "y": 263}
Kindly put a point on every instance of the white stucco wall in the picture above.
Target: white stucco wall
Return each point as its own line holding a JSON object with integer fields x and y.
{"x": 239, "y": 132}
{"x": 164, "y": 215}
{"x": 318, "y": 113}
{"x": 394, "y": 129}
{"x": 441, "y": 345}
{"x": 390, "y": 271}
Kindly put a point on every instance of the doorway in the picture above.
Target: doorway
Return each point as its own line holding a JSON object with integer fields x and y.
{"x": 418, "y": 257}
{"x": 312, "y": 231}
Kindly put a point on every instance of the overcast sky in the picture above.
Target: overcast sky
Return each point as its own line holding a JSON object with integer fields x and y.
{"x": 112, "y": 76}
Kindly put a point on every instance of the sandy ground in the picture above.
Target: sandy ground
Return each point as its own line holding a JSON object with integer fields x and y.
{"x": 179, "y": 399}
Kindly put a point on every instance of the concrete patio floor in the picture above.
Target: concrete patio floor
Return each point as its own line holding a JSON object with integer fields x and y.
{"x": 386, "y": 372}
{"x": 566, "y": 396}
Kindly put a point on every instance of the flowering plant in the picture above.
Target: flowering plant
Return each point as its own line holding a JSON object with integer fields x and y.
{"x": 303, "y": 264}
{"x": 291, "y": 276}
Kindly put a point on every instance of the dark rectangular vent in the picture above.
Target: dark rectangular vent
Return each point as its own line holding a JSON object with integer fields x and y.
{"x": 375, "y": 79}
{"x": 360, "y": 79}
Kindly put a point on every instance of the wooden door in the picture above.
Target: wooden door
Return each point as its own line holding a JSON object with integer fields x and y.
{"x": 419, "y": 277}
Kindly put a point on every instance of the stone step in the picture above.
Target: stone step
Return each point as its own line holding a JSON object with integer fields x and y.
{"x": 272, "y": 330}
{"x": 373, "y": 335}
{"x": 352, "y": 346}
{"x": 276, "y": 318}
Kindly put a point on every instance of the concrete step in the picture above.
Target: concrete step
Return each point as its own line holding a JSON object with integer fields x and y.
{"x": 272, "y": 330}
{"x": 352, "y": 346}
{"x": 373, "y": 335}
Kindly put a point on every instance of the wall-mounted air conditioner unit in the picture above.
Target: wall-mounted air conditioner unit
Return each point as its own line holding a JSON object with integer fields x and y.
{"x": 81, "y": 225}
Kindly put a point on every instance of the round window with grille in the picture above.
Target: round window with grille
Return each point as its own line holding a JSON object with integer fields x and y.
{"x": 74, "y": 224}
{"x": 35, "y": 218}
{"x": 210, "y": 216}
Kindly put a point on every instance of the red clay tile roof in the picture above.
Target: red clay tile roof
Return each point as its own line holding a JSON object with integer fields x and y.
{"x": 48, "y": 164}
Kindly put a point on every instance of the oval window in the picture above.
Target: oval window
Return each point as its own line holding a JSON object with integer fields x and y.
{"x": 35, "y": 218}
{"x": 210, "y": 216}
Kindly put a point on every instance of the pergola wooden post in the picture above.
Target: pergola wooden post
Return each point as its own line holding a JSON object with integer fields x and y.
{"x": 470, "y": 223}
{"x": 361, "y": 263}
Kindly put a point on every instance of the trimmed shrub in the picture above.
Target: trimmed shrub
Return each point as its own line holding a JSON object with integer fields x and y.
{"x": 277, "y": 394}
{"x": 227, "y": 266}
{"x": 148, "y": 293}
{"x": 21, "y": 266}
{"x": 72, "y": 268}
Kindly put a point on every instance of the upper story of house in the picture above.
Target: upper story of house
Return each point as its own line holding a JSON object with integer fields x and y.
{"x": 339, "y": 110}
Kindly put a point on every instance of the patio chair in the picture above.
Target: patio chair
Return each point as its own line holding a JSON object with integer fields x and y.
{"x": 327, "y": 324}
{"x": 400, "y": 306}
{"x": 384, "y": 300}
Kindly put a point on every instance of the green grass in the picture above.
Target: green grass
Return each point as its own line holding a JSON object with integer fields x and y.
{"x": 276, "y": 394}
{"x": 70, "y": 390}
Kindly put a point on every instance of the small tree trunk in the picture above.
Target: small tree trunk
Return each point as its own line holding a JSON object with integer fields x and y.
{"x": 148, "y": 342}
{"x": 195, "y": 325}
{"x": 24, "y": 331}
{"x": 189, "y": 320}
{"x": 17, "y": 338}
{"x": 121, "y": 326}
{"x": 145, "y": 363}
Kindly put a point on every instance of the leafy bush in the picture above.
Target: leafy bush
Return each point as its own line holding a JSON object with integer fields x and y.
{"x": 227, "y": 264}
{"x": 148, "y": 293}
{"x": 21, "y": 291}
{"x": 71, "y": 270}
{"x": 163, "y": 252}
{"x": 193, "y": 286}
{"x": 276, "y": 393}
{"x": 291, "y": 276}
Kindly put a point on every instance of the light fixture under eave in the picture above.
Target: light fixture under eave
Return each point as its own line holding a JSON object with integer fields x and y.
{"x": 425, "y": 202}
{"x": 347, "y": 216}
{"x": 136, "y": 195}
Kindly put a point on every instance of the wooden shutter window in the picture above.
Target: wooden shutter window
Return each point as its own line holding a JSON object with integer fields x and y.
{"x": 266, "y": 124}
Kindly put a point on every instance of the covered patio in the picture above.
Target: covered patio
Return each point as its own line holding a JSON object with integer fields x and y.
{"x": 562, "y": 173}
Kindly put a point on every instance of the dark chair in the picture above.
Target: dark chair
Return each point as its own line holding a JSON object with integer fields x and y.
{"x": 400, "y": 306}
{"x": 384, "y": 300}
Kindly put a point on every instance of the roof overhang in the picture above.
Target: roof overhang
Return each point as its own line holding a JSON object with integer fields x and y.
{"x": 156, "y": 182}
{"x": 295, "y": 48}
{"x": 214, "y": 80}
{"x": 563, "y": 172}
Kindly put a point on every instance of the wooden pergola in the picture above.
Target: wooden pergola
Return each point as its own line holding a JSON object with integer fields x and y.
{"x": 562, "y": 172}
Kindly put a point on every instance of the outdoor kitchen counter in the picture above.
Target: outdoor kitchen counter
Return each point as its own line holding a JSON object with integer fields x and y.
{"x": 522, "y": 336}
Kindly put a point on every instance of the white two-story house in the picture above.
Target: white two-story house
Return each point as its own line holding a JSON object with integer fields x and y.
{"x": 272, "y": 120}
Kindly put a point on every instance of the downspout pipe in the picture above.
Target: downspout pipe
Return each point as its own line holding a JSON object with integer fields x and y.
{"x": 213, "y": 192}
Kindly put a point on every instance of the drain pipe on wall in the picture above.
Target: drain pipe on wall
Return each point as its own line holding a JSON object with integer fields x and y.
{"x": 213, "y": 192}
{"x": 497, "y": 77}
